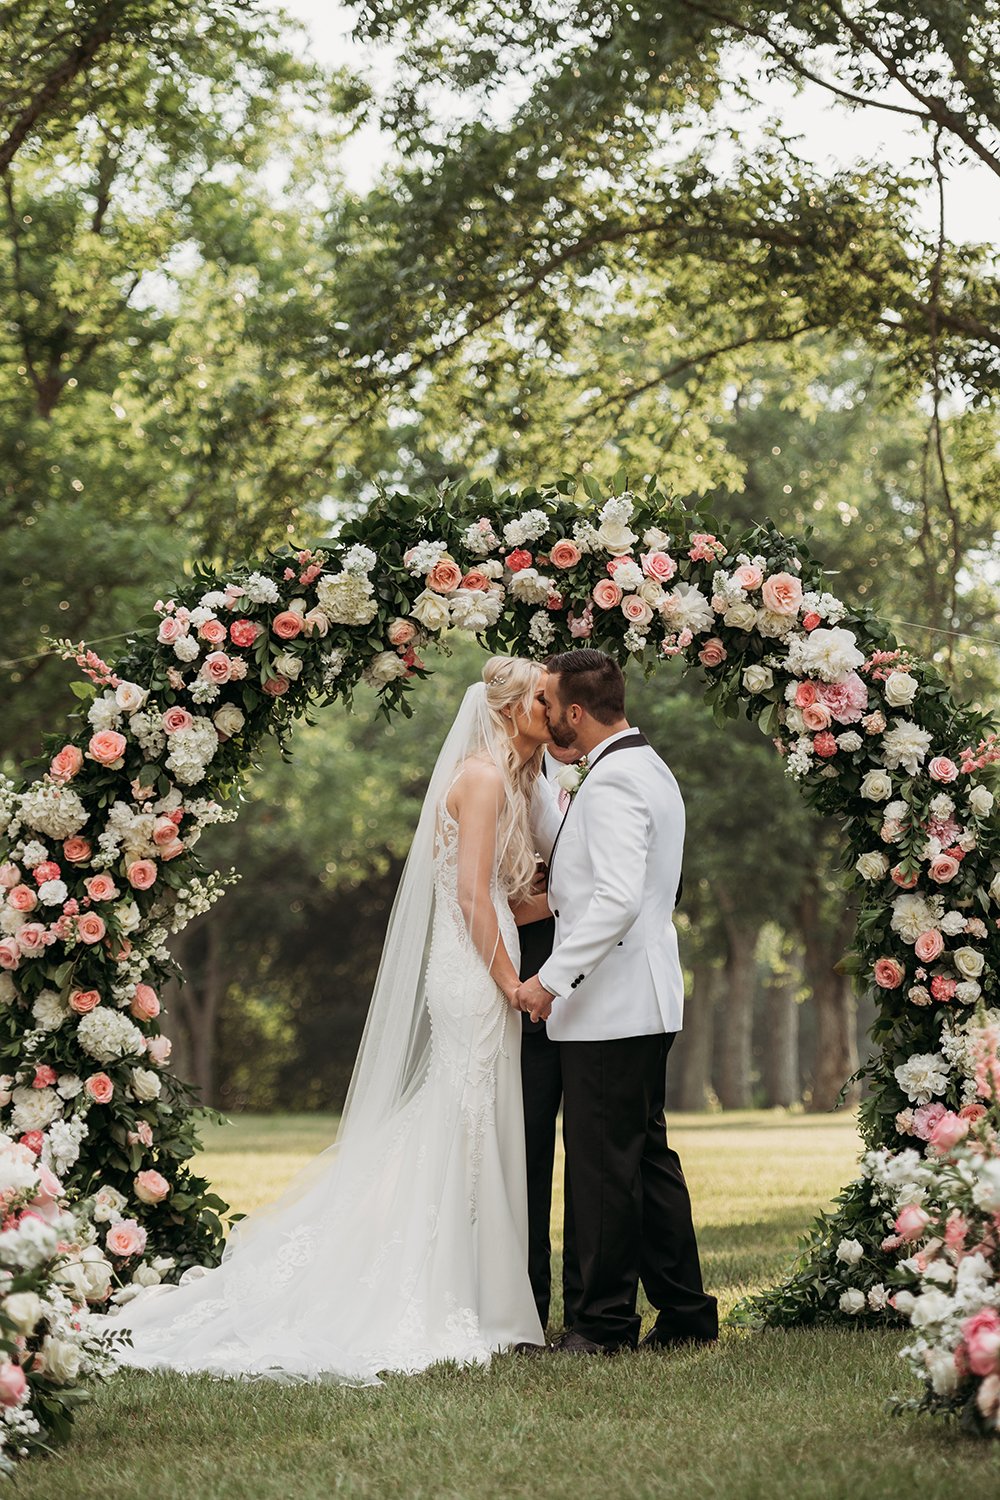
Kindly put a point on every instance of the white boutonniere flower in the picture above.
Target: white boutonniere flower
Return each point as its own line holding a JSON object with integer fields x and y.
{"x": 571, "y": 778}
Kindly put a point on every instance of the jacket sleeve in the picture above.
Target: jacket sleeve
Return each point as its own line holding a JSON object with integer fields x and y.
{"x": 616, "y": 827}
{"x": 545, "y": 816}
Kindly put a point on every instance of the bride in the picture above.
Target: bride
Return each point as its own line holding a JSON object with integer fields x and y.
{"x": 405, "y": 1242}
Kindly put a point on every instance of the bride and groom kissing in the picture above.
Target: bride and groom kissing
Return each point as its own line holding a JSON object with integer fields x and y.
{"x": 421, "y": 1235}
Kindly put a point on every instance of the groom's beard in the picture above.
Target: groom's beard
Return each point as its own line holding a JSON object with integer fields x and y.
{"x": 562, "y": 734}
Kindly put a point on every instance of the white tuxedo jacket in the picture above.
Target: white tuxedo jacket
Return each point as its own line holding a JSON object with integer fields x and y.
{"x": 613, "y": 877}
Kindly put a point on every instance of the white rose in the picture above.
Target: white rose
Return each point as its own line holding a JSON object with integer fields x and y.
{"x": 568, "y": 778}
{"x": 656, "y": 540}
{"x": 146, "y": 1084}
{"x": 931, "y": 1307}
{"x": 229, "y": 719}
{"x": 130, "y": 916}
{"x": 874, "y": 866}
{"x": 877, "y": 786}
{"x": 107, "y": 1202}
{"x": 129, "y": 696}
{"x": 24, "y": 1309}
{"x": 986, "y": 1192}
{"x": 62, "y": 1360}
{"x": 431, "y": 610}
{"x": 146, "y": 1276}
{"x": 385, "y": 666}
{"x": 995, "y": 887}
{"x": 757, "y": 679}
{"x": 878, "y": 1298}
{"x": 900, "y": 689}
{"x": 72, "y": 1277}
{"x": 981, "y": 801}
{"x": 968, "y": 961}
{"x": 740, "y": 616}
{"x": 615, "y": 537}
{"x": 852, "y": 1302}
{"x": 850, "y": 1252}
{"x": 652, "y": 592}
{"x": 289, "y": 665}
{"x": 98, "y": 1274}
{"x": 942, "y": 1372}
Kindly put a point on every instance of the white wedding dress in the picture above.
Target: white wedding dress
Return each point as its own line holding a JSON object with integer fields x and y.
{"x": 406, "y": 1242}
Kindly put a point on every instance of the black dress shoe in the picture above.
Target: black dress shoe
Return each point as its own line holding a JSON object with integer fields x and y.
{"x": 528, "y": 1349}
{"x": 655, "y": 1339}
{"x": 575, "y": 1343}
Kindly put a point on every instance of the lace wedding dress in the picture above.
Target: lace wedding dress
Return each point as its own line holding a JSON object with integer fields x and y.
{"x": 406, "y": 1242}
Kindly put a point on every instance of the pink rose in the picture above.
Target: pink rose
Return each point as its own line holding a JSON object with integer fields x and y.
{"x": 947, "y": 1133}
{"x": 164, "y": 831}
{"x": 713, "y": 652}
{"x": 636, "y": 610}
{"x": 213, "y": 631}
{"x": 816, "y": 716}
{"x": 170, "y": 851}
{"x": 76, "y": 850}
{"x": 142, "y": 1135}
{"x": 141, "y": 874}
{"x": 981, "y": 1333}
{"x": 811, "y": 620}
{"x": 943, "y": 868}
{"x": 401, "y": 632}
{"x": 175, "y": 719}
{"x": 972, "y": 1112}
{"x": 126, "y": 1239}
{"x": 100, "y": 1088}
{"x": 942, "y": 769}
{"x": 65, "y": 763}
{"x": 748, "y": 576}
{"x": 10, "y": 954}
{"x": 911, "y": 1222}
{"x": 107, "y": 747}
{"x": 145, "y": 1003}
{"x": 445, "y": 576}
{"x": 475, "y": 582}
{"x": 564, "y": 554}
{"x": 943, "y": 988}
{"x": 13, "y": 1384}
{"x": 90, "y": 927}
{"x": 159, "y": 1049}
{"x": 276, "y": 687}
{"x": 314, "y": 619}
{"x": 607, "y": 594}
{"x": 287, "y": 625}
{"x": 243, "y": 632}
{"x": 101, "y": 888}
{"x": 659, "y": 566}
{"x": 22, "y": 898}
{"x": 218, "y": 667}
{"x": 171, "y": 629}
{"x": 889, "y": 974}
{"x": 31, "y": 938}
{"x": 805, "y": 694}
{"x": 825, "y": 745}
{"x": 44, "y": 1077}
{"x": 929, "y": 946}
{"x": 904, "y": 881}
{"x": 10, "y": 875}
{"x": 150, "y": 1187}
{"x": 782, "y": 594}
{"x": 83, "y": 1001}
{"x": 519, "y": 559}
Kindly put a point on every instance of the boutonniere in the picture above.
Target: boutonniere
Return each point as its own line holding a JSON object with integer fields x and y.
{"x": 571, "y": 778}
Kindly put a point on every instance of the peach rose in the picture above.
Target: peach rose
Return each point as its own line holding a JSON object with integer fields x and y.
{"x": 475, "y": 582}
{"x": 401, "y": 632}
{"x": 816, "y": 716}
{"x": 64, "y": 765}
{"x": 76, "y": 850}
{"x": 83, "y": 1001}
{"x": 213, "y": 631}
{"x": 904, "y": 881}
{"x": 141, "y": 874}
{"x": 170, "y": 851}
{"x": 782, "y": 594}
{"x": 607, "y": 594}
{"x": 634, "y": 609}
{"x": 805, "y": 694}
{"x": 145, "y": 1004}
{"x": 10, "y": 875}
{"x": 315, "y": 619}
{"x": 107, "y": 747}
{"x": 942, "y": 769}
{"x": 712, "y": 653}
{"x": 10, "y": 954}
{"x": 889, "y": 974}
{"x": 100, "y": 1088}
{"x": 101, "y": 888}
{"x": 243, "y": 632}
{"x": 217, "y": 666}
{"x": 911, "y": 1222}
{"x": 150, "y": 1187}
{"x": 659, "y": 566}
{"x": 748, "y": 576}
{"x": 929, "y": 946}
{"x": 164, "y": 831}
{"x": 171, "y": 629}
{"x": 943, "y": 868}
{"x": 564, "y": 554}
{"x": 973, "y": 1112}
{"x": 22, "y": 898}
{"x": 126, "y": 1239}
{"x": 31, "y": 938}
{"x": 90, "y": 927}
{"x": 175, "y": 719}
{"x": 287, "y": 625}
{"x": 13, "y": 1383}
{"x": 445, "y": 576}
{"x": 276, "y": 687}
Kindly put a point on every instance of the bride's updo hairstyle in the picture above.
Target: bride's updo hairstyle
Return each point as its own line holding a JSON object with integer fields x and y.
{"x": 511, "y": 683}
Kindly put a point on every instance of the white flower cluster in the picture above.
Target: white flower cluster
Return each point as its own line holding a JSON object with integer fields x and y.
{"x": 419, "y": 560}
{"x": 685, "y": 607}
{"x": 475, "y": 610}
{"x": 827, "y": 606}
{"x": 479, "y": 539}
{"x": 905, "y": 746}
{"x": 347, "y": 599}
{"x": 586, "y": 537}
{"x": 54, "y": 810}
{"x": 923, "y": 1075}
{"x": 358, "y": 560}
{"x": 531, "y": 587}
{"x": 191, "y": 750}
{"x": 332, "y": 665}
{"x": 63, "y": 1140}
{"x": 827, "y": 654}
{"x": 104, "y": 713}
{"x": 541, "y": 629}
{"x": 261, "y": 590}
{"x": 526, "y": 528}
{"x": 198, "y": 896}
{"x": 107, "y": 1034}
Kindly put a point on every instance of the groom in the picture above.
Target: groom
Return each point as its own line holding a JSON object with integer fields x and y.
{"x": 612, "y": 993}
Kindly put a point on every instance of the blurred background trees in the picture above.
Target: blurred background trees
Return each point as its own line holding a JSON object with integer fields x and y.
{"x": 582, "y": 250}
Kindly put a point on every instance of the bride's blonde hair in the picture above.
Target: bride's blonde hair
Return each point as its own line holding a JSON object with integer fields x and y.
{"x": 511, "y": 683}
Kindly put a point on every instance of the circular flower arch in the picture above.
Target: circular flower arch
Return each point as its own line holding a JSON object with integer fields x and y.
{"x": 98, "y": 865}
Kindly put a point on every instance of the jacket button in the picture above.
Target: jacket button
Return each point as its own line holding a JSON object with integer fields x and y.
{"x": 620, "y": 942}
{"x": 555, "y": 913}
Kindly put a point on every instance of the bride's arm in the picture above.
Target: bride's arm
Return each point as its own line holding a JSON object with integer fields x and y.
{"x": 531, "y": 909}
{"x": 478, "y": 798}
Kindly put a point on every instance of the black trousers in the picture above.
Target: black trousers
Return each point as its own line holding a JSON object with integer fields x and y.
{"x": 541, "y": 1083}
{"x": 629, "y": 1202}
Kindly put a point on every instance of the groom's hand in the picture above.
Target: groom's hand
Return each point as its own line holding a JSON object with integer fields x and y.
{"x": 533, "y": 997}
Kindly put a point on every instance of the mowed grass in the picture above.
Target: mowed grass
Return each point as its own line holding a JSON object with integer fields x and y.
{"x": 799, "y": 1414}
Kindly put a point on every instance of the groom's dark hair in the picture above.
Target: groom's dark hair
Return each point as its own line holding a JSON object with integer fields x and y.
{"x": 593, "y": 680}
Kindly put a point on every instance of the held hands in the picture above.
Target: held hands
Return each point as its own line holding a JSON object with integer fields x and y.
{"x": 533, "y": 997}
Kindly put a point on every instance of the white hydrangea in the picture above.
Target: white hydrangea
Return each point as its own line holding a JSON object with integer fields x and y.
{"x": 526, "y": 528}
{"x": 419, "y": 561}
{"x": 905, "y": 745}
{"x": 922, "y": 1076}
{"x": 107, "y": 1034}
{"x": 191, "y": 750}
{"x": 56, "y": 811}
{"x": 480, "y": 538}
{"x": 823, "y": 653}
{"x": 686, "y": 608}
{"x": 474, "y": 610}
{"x": 346, "y": 599}
{"x": 261, "y": 590}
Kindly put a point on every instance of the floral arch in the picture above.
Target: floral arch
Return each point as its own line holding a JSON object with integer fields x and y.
{"x": 98, "y": 864}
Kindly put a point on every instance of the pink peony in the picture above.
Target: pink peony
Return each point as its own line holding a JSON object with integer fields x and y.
{"x": 889, "y": 974}
{"x": 607, "y": 594}
{"x": 13, "y": 1384}
{"x": 145, "y": 1003}
{"x": 150, "y": 1187}
{"x": 911, "y": 1222}
{"x": 929, "y": 946}
{"x": 101, "y": 888}
{"x": 287, "y": 625}
{"x": 846, "y": 700}
{"x": 64, "y": 765}
{"x": 76, "y": 850}
{"x": 445, "y": 576}
{"x": 107, "y": 747}
{"x": 175, "y": 719}
{"x": 519, "y": 559}
{"x": 84, "y": 1001}
{"x": 126, "y": 1239}
{"x": 748, "y": 576}
{"x": 981, "y": 1333}
{"x": 141, "y": 874}
{"x": 942, "y": 769}
{"x": 782, "y": 594}
{"x": 90, "y": 927}
{"x": 100, "y": 1088}
{"x": 943, "y": 868}
{"x": 243, "y": 632}
{"x": 564, "y": 554}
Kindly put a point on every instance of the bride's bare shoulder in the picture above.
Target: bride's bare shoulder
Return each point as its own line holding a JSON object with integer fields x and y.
{"x": 477, "y": 781}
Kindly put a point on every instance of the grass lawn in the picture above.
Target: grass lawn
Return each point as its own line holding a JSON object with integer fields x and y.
{"x": 799, "y": 1415}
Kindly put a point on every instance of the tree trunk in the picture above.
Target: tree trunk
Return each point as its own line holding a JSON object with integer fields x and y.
{"x": 195, "y": 1005}
{"x": 835, "y": 1007}
{"x": 780, "y": 1053}
{"x": 691, "y": 1057}
{"x": 735, "y": 1015}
